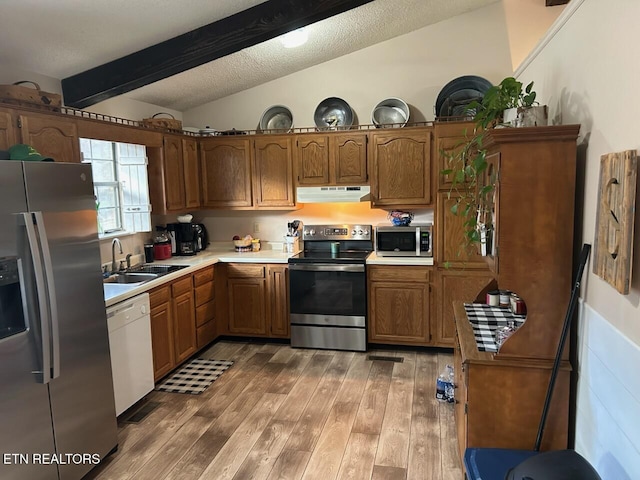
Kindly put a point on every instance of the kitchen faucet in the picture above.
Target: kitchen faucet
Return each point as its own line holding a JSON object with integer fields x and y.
{"x": 114, "y": 267}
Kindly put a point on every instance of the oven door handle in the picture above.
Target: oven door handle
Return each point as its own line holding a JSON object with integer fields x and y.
{"x": 326, "y": 267}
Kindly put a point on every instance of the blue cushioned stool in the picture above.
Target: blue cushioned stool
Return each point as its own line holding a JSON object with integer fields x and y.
{"x": 493, "y": 463}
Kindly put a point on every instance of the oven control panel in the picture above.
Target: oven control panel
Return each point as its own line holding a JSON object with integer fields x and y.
{"x": 337, "y": 232}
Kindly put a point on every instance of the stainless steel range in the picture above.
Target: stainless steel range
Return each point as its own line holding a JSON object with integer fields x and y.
{"x": 328, "y": 288}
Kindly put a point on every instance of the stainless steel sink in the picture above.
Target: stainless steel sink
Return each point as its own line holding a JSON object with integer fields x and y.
{"x": 131, "y": 277}
{"x": 156, "y": 269}
{"x": 142, "y": 273}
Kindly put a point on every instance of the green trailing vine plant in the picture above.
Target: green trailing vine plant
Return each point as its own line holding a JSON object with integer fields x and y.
{"x": 467, "y": 161}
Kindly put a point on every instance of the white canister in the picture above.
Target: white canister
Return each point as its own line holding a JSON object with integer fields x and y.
{"x": 493, "y": 298}
{"x": 291, "y": 244}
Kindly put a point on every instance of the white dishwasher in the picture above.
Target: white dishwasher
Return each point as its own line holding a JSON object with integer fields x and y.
{"x": 130, "y": 345}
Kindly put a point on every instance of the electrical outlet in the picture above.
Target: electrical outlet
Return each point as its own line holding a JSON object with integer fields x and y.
{"x": 256, "y": 227}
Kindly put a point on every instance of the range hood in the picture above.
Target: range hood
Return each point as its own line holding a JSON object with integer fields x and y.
{"x": 359, "y": 193}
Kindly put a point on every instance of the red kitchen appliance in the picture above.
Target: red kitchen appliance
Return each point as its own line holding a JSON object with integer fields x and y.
{"x": 161, "y": 245}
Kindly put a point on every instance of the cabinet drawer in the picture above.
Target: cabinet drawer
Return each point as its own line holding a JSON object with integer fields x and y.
{"x": 235, "y": 270}
{"x": 205, "y": 312}
{"x": 399, "y": 273}
{"x": 159, "y": 295}
{"x": 206, "y": 334}
{"x": 205, "y": 293}
{"x": 203, "y": 276}
{"x": 182, "y": 286}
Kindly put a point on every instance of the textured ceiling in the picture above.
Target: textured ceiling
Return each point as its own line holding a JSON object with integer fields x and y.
{"x": 66, "y": 37}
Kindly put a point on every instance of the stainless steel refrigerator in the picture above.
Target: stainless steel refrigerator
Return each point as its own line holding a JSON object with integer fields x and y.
{"x": 57, "y": 413}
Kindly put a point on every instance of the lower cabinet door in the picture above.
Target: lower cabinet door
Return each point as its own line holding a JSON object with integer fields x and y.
{"x": 184, "y": 326}
{"x": 247, "y": 299}
{"x": 455, "y": 285}
{"x": 278, "y": 301}
{"x": 399, "y": 313}
{"x": 162, "y": 340}
{"x": 206, "y": 333}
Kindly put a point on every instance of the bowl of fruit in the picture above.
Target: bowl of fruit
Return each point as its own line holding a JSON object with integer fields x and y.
{"x": 242, "y": 243}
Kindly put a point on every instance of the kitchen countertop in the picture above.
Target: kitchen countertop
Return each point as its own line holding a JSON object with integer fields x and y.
{"x": 374, "y": 259}
{"x": 115, "y": 293}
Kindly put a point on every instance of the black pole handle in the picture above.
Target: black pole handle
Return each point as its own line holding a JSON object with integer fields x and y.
{"x": 575, "y": 292}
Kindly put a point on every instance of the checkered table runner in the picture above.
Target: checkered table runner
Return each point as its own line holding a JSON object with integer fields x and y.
{"x": 486, "y": 319}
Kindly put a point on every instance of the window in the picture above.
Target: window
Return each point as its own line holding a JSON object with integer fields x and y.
{"x": 120, "y": 184}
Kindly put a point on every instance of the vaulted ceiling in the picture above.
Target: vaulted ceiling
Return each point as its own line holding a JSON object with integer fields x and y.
{"x": 64, "y": 38}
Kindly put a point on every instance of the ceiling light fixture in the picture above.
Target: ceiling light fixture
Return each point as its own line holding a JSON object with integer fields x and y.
{"x": 295, "y": 38}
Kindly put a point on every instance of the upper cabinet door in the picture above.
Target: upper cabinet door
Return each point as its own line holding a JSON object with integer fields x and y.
{"x": 273, "y": 172}
{"x": 51, "y": 136}
{"x": 312, "y": 159}
{"x": 226, "y": 172}
{"x": 174, "y": 172}
{"x": 191, "y": 172}
{"x": 7, "y": 130}
{"x": 349, "y": 158}
{"x": 401, "y": 168}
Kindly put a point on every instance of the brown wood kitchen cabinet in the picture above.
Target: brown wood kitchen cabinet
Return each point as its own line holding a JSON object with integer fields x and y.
{"x": 454, "y": 285}
{"x": 503, "y": 392}
{"x": 399, "y": 304}
{"x": 451, "y": 249}
{"x": 204, "y": 290}
{"x": 257, "y": 299}
{"x": 331, "y": 159}
{"x": 226, "y": 172}
{"x": 164, "y": 357}
{"x": 51, "y": 135}
{"x": 273, "y": 171}
{"x": 400, "y": 168}
{"x": 173, "y": 325}
{"x": 247, "y": 173}
{"x": 174, "y": 180}
{"x": 7, "y": 129}
{"x": 247, "y": 294}
{"x": 449, "y": 137}
{"x": 278, "y": 300}
{"x": 462, "y": 272}
{"x": 184, "y": 318}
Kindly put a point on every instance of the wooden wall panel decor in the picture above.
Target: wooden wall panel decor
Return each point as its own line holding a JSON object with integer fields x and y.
{"x": 614, "y": 225}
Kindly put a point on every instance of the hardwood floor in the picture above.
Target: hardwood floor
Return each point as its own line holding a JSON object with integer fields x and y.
{"x": 281, "y": 413}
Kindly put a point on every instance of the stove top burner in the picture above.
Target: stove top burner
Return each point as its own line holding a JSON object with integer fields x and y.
{"x": 351, "y": 256}
{"x": 354, "y": 244}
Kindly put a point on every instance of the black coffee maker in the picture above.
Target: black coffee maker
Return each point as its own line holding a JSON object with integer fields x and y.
{"x": 190, "y": 237}
{"x": 186, "y": 240}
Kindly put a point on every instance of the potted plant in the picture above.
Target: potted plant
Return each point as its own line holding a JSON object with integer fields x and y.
{"x": 467, "y": 163}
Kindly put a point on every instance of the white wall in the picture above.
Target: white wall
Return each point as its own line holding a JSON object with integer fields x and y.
{"x": 10, "y": 74}
{"x": 527, "y": 22}
{"x": 588, "y": 74}
{"x": 130, "y": 109}
{"x": 413, "y": 67}
{"x": 608, "y": 405}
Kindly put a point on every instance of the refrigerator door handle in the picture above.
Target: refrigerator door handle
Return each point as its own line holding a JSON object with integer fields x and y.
{"x": 51, "y": 289}
{"x": 42, "y": 304}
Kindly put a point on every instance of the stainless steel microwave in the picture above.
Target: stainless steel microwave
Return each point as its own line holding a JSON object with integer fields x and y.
{"x": 412, "y": 241}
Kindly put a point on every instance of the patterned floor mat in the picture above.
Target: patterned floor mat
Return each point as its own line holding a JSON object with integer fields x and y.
{"x": 194, "y": 377}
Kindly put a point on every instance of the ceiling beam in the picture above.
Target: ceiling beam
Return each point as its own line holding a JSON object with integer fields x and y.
{"x": 197, "y": 47}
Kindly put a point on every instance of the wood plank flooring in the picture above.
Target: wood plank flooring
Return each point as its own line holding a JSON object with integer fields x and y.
{"x": 288, "y": 414}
